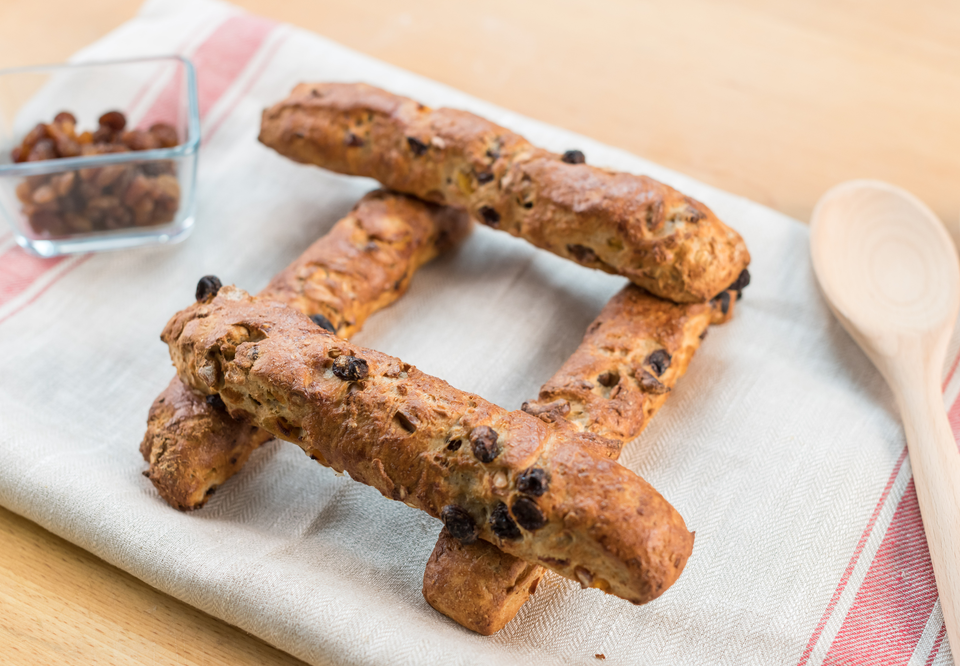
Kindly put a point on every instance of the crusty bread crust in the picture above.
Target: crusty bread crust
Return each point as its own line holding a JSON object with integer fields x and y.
{"x": 192, "y": 447}
{"x": 418, "y": 440}
{"x": 363, "y": 264}
{"x": 366, "y": 261}
{"x": 632, "y": 355}
{"x": 661, "y": 240}
{"x": 478, "y": 586}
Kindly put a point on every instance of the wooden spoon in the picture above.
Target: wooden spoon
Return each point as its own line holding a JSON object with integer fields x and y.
{"x": 889, "y": 272}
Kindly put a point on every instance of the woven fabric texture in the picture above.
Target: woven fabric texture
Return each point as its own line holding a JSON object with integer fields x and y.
{"x": 781, "y": 447}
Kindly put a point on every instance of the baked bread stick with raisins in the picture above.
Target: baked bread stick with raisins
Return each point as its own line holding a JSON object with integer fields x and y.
{"x": 632, "y": 355}
{"x": 663, "y": 241}
{"x": 363, "y": 264}
{"x": 418, "y": 440}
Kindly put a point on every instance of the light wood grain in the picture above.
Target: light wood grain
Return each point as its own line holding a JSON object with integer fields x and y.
{"x": 62, "y": 605}
{"x": 891, "y": 276}
{"x": 776, "y": 100}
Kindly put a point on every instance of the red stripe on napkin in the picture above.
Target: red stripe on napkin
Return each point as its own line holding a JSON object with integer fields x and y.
{"x": 936, "y": 645}
{"x": 151, "y": 116}
{"x": 225, "y": 54}
{"x": 953, "y": 416}
{"x": 216, "y": 124}
{"x": 896, "y": 598}
{"x": 43, "y": 289}
{"x": 845, "y": 578}
{"x": 19, "y": 270}
{"x": 219, "y": 60}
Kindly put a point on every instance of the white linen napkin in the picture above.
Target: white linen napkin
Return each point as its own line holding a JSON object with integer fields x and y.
{"x": 781, "y": 447}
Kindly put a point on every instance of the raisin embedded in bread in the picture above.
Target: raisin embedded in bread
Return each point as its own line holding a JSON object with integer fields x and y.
{"x": 363, "y": 264}
{"x": 393, "y": 427}
{"x": 632, "y": 355}
{"x": 661, "y": 240}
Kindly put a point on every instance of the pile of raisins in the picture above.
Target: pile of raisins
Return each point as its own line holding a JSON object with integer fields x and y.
{"x": 116, "y": 196}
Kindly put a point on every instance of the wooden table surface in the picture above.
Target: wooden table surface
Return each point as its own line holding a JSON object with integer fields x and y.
{"x": 775, "y": 100}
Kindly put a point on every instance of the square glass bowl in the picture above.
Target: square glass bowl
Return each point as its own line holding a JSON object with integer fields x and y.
{"x": 106, "y": 201}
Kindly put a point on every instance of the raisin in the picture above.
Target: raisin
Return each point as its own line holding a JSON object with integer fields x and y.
{"x": 724, "y": 301}
{"x": 528, "y": 514}
{"x": 44, "y": 194}
{"x": 533, "y": 482}
{"x": 692, "y": 215}
{"x": 548, "y": 412}
{"x": 216, "y": 402}
{"x": 103, "y": 135}
{"x": 208, "y": 286}
{"x": 459, "y": 523}
{"x": 416, "y": 145}
{"x": 65, "y": 117}
{"x": 155, "y": 168}
{"x": 502, "y": 524}
{"x": 406, "y": 421}
{"x": 47, "y": 221}
{"x": 583, "y": 254}
{"x": 40, "y": 131}
{"x": 490, "y": 217}
{"x": 44, "y": 149}
{"x": 658, "y": 361}
{"x": 650, "y": 384}
{"x": 484, "y": 177}
{"x": 742, "y": 281}
{"x": 454, "y": 445}
{"x": 165, "y": 134}
{"x": 608, "y": 379}
{"x": 350, "y": 368}
{"x": 323, "y": 322}
{"x": 140, "y": 140}
{"x": 483, "y": 439}
{"x": 352, "y": 140}
{"x": 573, "y": 157}
{"x": 67, "y": 146}
{"x": 654, "y": 216}
{"x": 113, "y": 120}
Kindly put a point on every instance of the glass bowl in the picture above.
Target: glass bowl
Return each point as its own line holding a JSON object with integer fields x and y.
{"x": 110, "y": 200}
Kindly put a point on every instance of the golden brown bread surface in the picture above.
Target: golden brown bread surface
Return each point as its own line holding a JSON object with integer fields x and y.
{"x": 192, "y": 447}
{"x": 364, "y": 263}
{"x": 661, "y": 240}
{"x": 477, "y": 585}
{"x": 506, "y": 477}
{"x": 630, "y": 358}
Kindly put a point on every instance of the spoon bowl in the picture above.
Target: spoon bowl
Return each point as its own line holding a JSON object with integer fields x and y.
{"x": 884, "y": 260}
{"x": 889, "y": 272}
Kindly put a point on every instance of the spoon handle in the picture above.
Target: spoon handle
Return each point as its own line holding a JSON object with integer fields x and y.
{"x": 935, "y": 459}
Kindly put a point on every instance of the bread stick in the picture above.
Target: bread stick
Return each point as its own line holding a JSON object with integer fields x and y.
{"x": 631, "y": 357}
{"x": 621, "y": 223}
{"x": 363, "y": 264}
{"x": 506, "y": 477}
